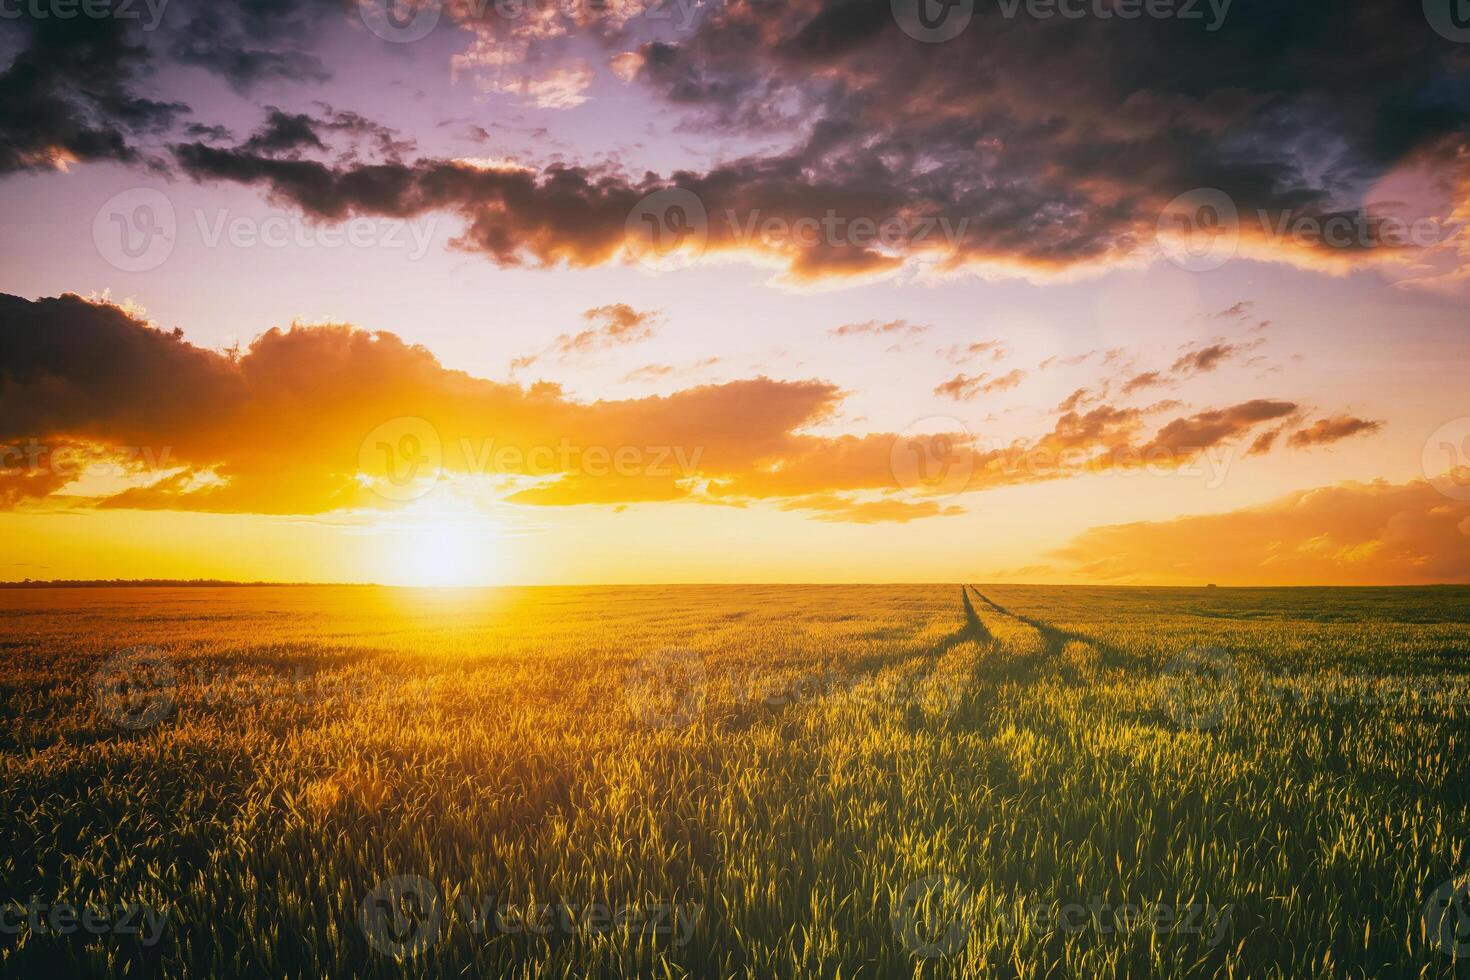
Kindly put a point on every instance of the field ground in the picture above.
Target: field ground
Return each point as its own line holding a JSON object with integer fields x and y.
{"x": 987, "y": 781}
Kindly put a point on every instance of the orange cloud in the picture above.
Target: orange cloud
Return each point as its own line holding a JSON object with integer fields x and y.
{"x": 874, "y": 327}
{"x": 1147, "y": 379}
{"x": 830, "y": 507}
{"x": 649, "y": 372}
{"x": 281, "y": 427}
{"x": 964, "y": 388}
{"x": 962, "y": 353}
{"x": 1212, "y": 427}
{"x": 1324, "y": 431}
{"x": 1353, "y": 534}
{"x": 1202, "y": 360}
{"x": 314, "y": 419}
{"x": 614, "y": 325}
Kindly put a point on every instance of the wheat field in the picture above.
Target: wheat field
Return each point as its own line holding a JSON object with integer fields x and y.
{"x": 803, "y": 781}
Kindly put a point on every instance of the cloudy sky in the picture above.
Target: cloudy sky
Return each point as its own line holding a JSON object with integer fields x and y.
{"x": 1106, "y": 291}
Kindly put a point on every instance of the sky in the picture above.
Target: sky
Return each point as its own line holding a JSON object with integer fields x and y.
{"x": 469, "y": 292}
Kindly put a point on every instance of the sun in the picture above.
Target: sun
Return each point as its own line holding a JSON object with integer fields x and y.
{"x": 441, "y": 548}
{"x": 441, "y": 557}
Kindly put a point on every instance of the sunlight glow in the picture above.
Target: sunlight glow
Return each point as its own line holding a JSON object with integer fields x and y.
{"x": 441, "y": 548}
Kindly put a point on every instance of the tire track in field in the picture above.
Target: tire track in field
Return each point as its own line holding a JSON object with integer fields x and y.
{"x": 974, "y": 627}
{"x": 1056, "y": 638}
{"x": 774, "y": 708}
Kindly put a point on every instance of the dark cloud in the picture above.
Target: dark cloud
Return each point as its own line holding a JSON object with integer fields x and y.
{"x": 247, "y": 42}
{"x": 1029, "y": 145}
{"x": 73, "y": 91}
{"x": 284, "y": 131}
{"x": 1062, "y": 138}
{"x": 68, "y": 96}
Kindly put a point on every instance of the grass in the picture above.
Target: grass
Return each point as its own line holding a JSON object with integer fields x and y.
{"x": 995, "y": 781}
